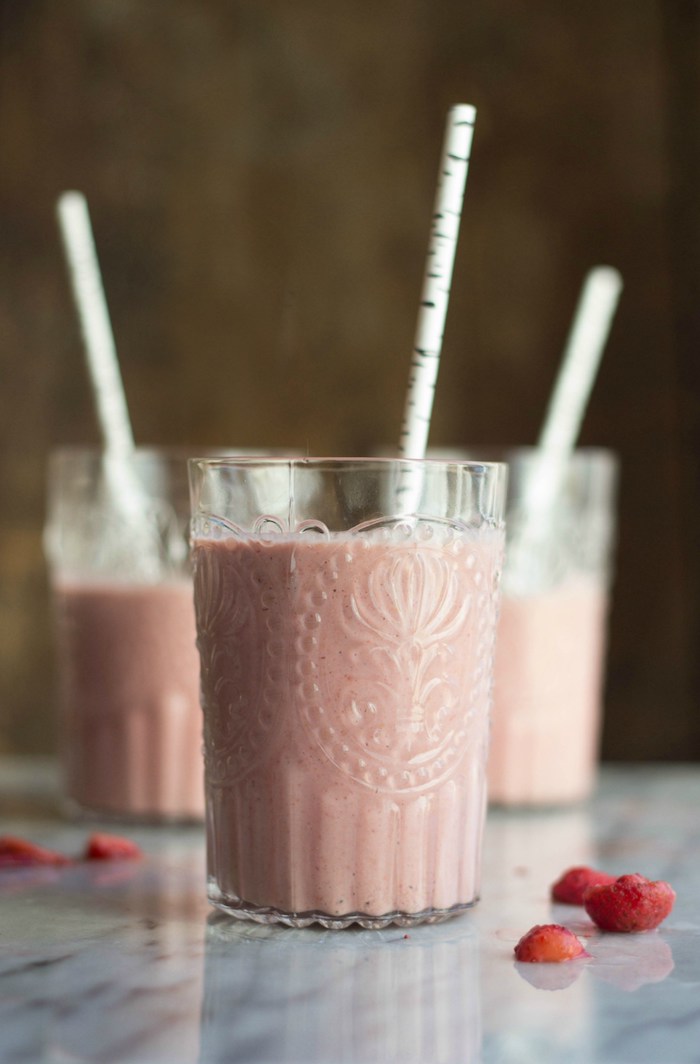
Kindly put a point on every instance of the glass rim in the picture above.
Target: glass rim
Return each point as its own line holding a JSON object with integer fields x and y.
{"x": 70, "y": 456}
{"x": 502, "y": 452}
{"x": 578, "y": 453}
{"x": 177, "y": 450}
{"x": 582, "y": 460}
{"x": 223, "y": 461}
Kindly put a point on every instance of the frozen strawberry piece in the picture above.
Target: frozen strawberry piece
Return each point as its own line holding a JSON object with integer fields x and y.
{"x": 19, "y": 853}
{"x": 632, "y": 903}
{"x": 102, "y": 847}
{"x": 573, "y": 884}
{"x": 549, "y": 944}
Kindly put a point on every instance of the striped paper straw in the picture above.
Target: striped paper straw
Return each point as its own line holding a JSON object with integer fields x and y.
{"x": 435, "y": 296}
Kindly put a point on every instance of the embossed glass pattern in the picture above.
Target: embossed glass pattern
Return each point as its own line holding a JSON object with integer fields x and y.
{"x": 346, "y": 652}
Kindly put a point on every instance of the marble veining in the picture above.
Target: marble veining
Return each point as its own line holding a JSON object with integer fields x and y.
{"x": 127, "y": 963}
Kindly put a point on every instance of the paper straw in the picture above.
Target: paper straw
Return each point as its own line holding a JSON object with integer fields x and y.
{"x": 100, "y": 349}
{"x": 125, "y": 491}
{"x": 584, "y": 348}
{"x": 425, "y": 362}
{"x": 454, "y": 164}
{"x": 579, "y": 366}
{"x": 572, "y": 390}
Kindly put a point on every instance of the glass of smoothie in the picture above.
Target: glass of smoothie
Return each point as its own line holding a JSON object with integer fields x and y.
{"x": 346, "y": 613}
{"x": 131, "y": 729}
{"x": 550, "y": 657}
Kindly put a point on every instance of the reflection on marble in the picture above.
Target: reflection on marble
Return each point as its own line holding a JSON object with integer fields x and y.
{"x": 363, "y": 995}
{"x": 102, "y": 961}
{"x": 128, "y": 963}
{"x": 629, "y": 962}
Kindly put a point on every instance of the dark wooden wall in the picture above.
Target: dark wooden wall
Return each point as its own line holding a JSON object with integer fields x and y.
{"x": 261, "y": 174}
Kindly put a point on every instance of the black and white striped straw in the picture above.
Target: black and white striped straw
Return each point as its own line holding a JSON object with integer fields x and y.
{"x": 437, "y": 280}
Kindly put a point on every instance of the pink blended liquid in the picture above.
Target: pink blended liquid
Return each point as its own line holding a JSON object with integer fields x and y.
{"x": 547, "y": 694}
{"x": 132, "y": 720}
{"x": 346, "y": 686}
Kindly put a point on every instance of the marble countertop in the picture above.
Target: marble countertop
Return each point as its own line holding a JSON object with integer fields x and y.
{"x": 128, "y": 963}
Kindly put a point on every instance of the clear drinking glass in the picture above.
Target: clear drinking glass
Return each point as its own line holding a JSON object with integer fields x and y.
{"x": 131, "y": 730}
{"x": 346, "y": 612}
{"x": 550, "y": 653}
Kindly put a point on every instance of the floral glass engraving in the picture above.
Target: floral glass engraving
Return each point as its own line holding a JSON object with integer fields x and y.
{"x": 398, "y": 718}
{"x": 239, "y": 714}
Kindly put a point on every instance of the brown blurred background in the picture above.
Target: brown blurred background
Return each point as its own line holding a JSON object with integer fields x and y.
{"x": 260, "y": 175}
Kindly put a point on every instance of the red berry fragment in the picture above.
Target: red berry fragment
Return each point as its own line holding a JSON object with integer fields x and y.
{"x": 101, "y": 847}
{"x": 573, "y": 884}
{"x": 631, "y": 903}
{"x": 549, "y": 944}
{"x": 19, "y": 853}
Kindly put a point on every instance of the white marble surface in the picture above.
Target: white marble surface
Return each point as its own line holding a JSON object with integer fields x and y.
{"x": 128, "y": 963}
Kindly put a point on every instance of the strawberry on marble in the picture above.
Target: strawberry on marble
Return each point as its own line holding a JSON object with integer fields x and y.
{"x": 20, "y": 853}
{"x": 549, "y": 944}
{"x": 573, "y": 884}
{"x": 103, "y": 847}
{"x": 630, "y": 904}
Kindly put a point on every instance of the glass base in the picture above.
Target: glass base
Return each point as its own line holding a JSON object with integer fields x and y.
{"x": 244, "y": 910}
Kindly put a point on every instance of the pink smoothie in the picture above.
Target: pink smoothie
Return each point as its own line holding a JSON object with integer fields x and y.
{"x": 547, "y": 694}
{"x": 132, "y": 725}
{"x": 346, "y": 685}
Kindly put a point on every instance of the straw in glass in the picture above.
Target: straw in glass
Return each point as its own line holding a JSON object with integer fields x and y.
{"x": 437, "y": 280}
{"x": 127, "y": 495}
{"x": 577, "y": 373}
